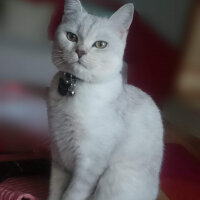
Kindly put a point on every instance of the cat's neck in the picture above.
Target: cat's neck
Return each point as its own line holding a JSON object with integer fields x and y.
{"x": 105, "y": 91}
{"x": 99, "y": 94}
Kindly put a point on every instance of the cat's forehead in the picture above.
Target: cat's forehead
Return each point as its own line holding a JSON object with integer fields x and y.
{"x": 91, "y": 26}
{"x": 87, "y": 24}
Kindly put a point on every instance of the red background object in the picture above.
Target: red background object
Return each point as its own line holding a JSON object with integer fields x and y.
{"x": 180, "y": 176}
{"x": 151, "y": 60}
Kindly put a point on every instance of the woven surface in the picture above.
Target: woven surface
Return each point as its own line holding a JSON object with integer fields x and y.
{"x": 24, "y": 188}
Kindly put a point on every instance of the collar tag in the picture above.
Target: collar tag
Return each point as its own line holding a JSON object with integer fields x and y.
{"x": 67, "y": 84}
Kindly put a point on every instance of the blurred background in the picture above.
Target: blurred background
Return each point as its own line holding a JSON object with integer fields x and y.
{"x": 163, "y": 57}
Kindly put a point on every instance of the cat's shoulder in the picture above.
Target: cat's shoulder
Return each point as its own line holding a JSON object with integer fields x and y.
{"x": 135, "y": 97}
{"x": 136, "y": 93}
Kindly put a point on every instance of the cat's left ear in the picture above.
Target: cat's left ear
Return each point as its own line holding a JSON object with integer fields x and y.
{"x": 122, "y": 18}
{"x": 72, "y": 9}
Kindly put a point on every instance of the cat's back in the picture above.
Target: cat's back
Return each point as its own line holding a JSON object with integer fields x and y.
{"x": 138, "y": 101}
{"x": 143, "y": 130}
{"x": 140, "y": 111}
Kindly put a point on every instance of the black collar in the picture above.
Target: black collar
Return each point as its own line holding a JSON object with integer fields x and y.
{"x": 67, "y": 84}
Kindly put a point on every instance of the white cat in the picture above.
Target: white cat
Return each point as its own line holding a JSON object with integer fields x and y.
{"x": 107, "y": 139}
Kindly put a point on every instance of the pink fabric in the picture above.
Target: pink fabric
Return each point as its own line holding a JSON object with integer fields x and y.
{"x": 30, "y": 188}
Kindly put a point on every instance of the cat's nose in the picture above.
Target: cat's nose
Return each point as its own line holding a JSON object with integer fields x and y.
{"x": 80, "y": 53}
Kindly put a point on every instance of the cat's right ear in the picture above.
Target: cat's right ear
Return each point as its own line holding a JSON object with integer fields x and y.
{"x": 72, "y": 9}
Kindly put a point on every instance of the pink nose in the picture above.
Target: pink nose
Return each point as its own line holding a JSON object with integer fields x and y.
{"x": 80, "y": 52}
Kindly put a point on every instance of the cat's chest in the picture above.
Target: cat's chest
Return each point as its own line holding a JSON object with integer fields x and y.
{"x": 75, "y": 120}
{"x": 82, "y": 122}
{"x": 88, "y": 106}
{"x": 76, "y": 116}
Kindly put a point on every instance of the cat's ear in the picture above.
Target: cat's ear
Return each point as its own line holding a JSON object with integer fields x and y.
{"x": 122, "y": 18}
{"x": 72, "y": 9}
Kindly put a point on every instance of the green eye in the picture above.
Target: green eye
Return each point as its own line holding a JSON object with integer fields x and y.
{"x": 100, "y": 44}
{"x": 72, "y": 37}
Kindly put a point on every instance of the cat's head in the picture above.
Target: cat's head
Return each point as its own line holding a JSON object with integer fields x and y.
{"x": 91, "y": 47}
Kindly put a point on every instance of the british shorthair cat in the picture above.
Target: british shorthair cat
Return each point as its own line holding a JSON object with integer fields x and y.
{"x": 107, "y": 136}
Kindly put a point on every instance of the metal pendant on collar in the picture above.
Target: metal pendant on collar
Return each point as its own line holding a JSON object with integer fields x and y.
{"x": 67, "y": 84}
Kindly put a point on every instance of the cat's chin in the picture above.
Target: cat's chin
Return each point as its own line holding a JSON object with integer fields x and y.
{"x": 76, "y": 69}
{"x": 81, "y": 71}
{"x": 76, "y": 65}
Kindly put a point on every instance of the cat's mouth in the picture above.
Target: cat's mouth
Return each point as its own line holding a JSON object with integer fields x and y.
{"x": 80, "y": 63}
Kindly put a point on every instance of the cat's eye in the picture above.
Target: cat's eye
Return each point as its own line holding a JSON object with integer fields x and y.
{"x": 100, "y": 44}
{"x": 72, "y": 37}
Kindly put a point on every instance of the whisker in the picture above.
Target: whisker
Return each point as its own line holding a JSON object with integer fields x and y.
{"x": 57, "y": 56}
{"x": 58, "y": 51}
{"x": 55, "y": 53}
{"x": 59, "y": 62}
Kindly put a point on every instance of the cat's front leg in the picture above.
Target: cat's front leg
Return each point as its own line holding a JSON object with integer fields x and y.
{"x": 58, "y": 183}
{"x": 84, "y": 180}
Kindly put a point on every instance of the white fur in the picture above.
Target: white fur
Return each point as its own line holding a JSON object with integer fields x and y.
{"x": 107, "y": 140}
